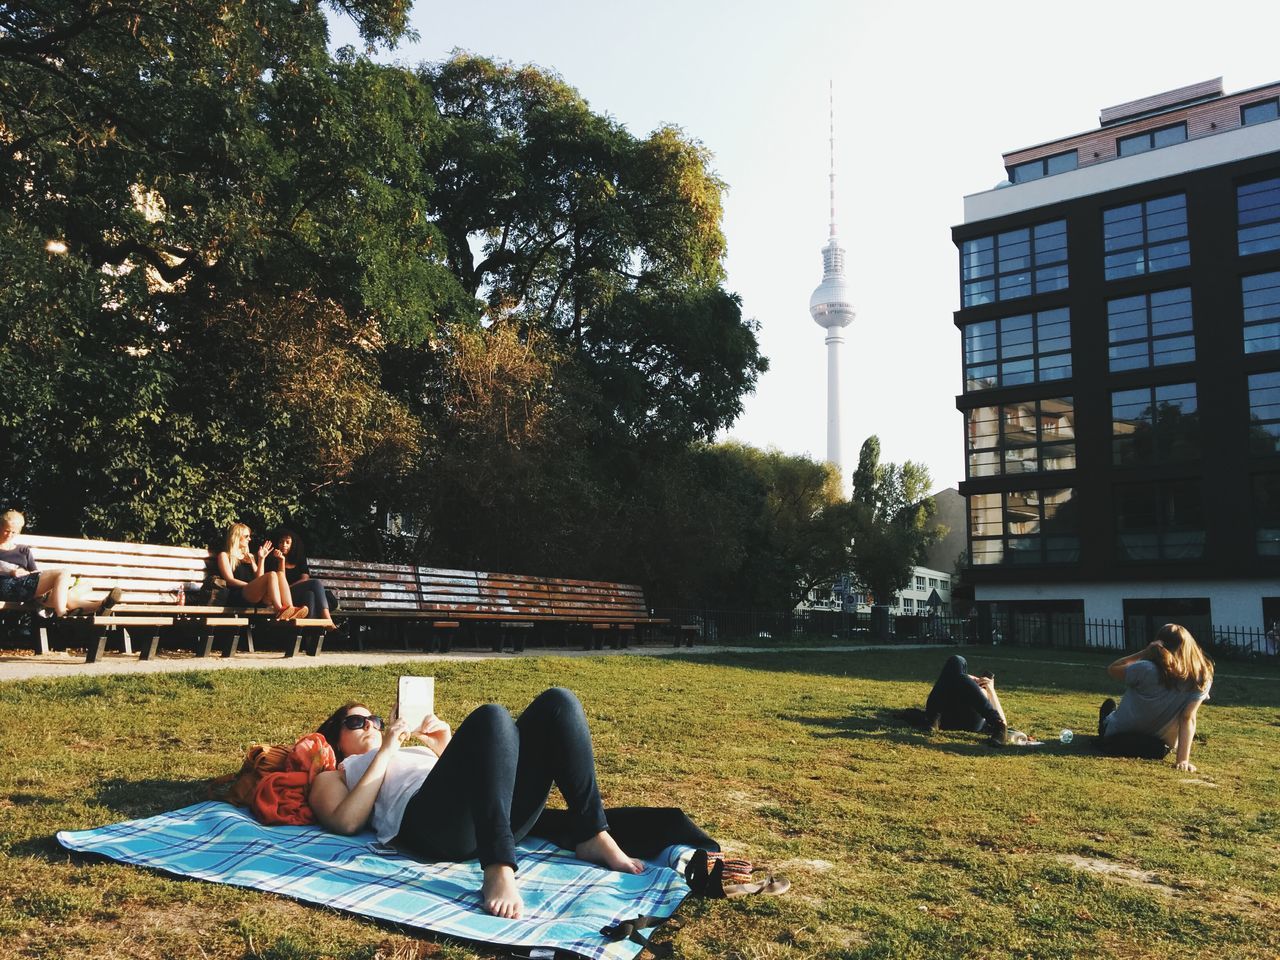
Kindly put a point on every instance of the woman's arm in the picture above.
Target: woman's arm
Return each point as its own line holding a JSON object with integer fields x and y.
{"x": 435, "y": 733}
{"x": 1186, "y": 734}
{"x": 344, "y": 811}
{"x": 1116, "y": 669}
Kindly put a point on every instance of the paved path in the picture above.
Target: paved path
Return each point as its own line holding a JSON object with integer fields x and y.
{"x": 17, "y": 667}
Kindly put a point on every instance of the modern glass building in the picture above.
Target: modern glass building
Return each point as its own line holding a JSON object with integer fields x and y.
{"x": 1120, "y": 328}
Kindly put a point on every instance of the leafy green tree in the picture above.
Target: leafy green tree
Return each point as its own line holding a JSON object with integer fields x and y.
{"x": 892, "y": 530}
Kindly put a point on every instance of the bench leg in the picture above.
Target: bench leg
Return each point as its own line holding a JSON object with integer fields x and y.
{"x": 202, "y": 642}
{"x": 95, "y": 647}
{"x": 315, "y": 643}
{"x": 148, "y": 646}
{"x": 292, "y": 644}
{"x": 230, "y": 644}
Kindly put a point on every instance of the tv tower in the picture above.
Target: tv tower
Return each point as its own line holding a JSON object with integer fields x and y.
{"x": 831, "y": 309}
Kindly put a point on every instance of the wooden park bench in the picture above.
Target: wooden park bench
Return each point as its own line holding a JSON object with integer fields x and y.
{"x": 439, "y": 602}
{"x": 150, "y": 576}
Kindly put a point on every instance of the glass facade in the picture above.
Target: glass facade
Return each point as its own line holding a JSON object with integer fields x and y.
{"x": 1141, "y": 238}
{"x": 1264, "y": 413}
{"x": 1016, "y": 263}
{"x": 1266, "y": 514}
{"x": 1159, "y": 521}
{"x": 1029, "y": 348}
{"x": 1150, "y": 330}
{"x": 1261, "y": 296}
{"x": 1151, "y": 140}
{"x": 1258, "y": 207}
{"x": 1155, "y": 425}
{"x": 1025, "y": 526}
{"x": 1027, "y": 436}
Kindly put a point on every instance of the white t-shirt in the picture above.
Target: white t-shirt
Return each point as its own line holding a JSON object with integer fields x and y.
{"x": 406, "y": 773}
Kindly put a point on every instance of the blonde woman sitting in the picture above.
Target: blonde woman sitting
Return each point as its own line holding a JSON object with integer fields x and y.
{"x": 248, "y": 581}
{"x": 1167, "y": 681}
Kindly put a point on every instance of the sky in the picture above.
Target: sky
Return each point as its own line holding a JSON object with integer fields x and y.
{"x": 928, "y": 96}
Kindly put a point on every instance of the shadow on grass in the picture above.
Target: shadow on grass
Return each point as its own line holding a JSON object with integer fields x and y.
{"x": 889, "y": 726}
{"x": 145, "y": 798}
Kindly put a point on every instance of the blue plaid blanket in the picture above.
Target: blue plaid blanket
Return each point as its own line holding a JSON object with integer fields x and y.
{"x": 567, "y": 902}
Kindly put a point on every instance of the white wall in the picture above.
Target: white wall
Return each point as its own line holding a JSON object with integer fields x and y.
{"x": 1233, "y": 603}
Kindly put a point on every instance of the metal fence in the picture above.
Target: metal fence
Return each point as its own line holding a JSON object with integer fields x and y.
{"x": 1050, "y": 630}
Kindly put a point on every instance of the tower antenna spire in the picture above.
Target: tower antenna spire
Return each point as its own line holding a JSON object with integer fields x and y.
{"x": 831, "y": 101}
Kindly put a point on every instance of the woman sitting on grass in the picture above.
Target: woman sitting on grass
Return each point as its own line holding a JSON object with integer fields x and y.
{"x": 22, "y": 582}
{"x": 248, "y": 581}
{"x": 1167, "y": 680}
{"x": 469, "y": 795}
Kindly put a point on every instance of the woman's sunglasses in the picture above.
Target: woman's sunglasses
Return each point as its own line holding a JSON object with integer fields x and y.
{"x": 355, "y": 721}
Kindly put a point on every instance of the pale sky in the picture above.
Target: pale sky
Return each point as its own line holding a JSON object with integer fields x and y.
{"x": 928, "y": 96}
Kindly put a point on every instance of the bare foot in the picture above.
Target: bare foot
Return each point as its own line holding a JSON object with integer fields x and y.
{"x": 602, "y": 849}
{"x": 499, "y": 892}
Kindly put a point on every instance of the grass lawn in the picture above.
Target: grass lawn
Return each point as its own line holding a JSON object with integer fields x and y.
{"x": 898, "y": 844}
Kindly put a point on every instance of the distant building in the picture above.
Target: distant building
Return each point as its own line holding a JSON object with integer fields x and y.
{"x": 1120, "y": 320}
{"x": 914, "y": 599}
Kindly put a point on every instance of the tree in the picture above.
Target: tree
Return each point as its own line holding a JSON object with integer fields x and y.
{"x": 892, "y": 529}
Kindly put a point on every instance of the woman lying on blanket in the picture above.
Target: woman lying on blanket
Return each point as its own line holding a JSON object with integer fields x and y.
{"x": 1167, "y": 681}
{"x": 21, "y": 582}
{"x": 248, "y": 580}
{"x": 469, "y": 795}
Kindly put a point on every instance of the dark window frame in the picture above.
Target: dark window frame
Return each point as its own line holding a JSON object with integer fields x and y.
{"x": 1149, "y": 136}
{"x": 1173, "y": 542}
{"x": 1000, "y": 444}
{"x": 1258, "y": 223}
{"x": 1261, "y": 319}
{"x": 1264, "y": 413}
{"x": 1040, "y": 370}
{"x": 1265, "y": 514}
{"x": 1161, "y": 438}
{"x": 1043, "y": 163}
{"x": 1153, "y": 358}
{"x": 1154, "y": 217}
{"x": 1038, "y": 546}
{"x": 986, "y": 275}
{"x": 1246, "y": 107}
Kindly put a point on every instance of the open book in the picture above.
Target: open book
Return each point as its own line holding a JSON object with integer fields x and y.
{"x": 416, "y": 700}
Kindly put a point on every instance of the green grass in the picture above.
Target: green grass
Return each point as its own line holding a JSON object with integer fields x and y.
{"x": 898, "y": 844}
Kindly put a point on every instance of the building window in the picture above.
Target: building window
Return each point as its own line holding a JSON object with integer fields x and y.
{"x": 1151, "y": 140}
{"x": 1261, "y": 296}
{"x": 1014, "y": 264}
{"x": 1155, "y": 425}
{"x": 1258, "y": 206}
{"x": 1159, "y": 521}
{"x": 1145, "y": 237}
{"x": 1027, "y": 436}
{"x": 919, "y": 583}
{"x": 933, "y": 582}
{"x": 1264, "y": 413}
{"x": 1150, "y": 330}
{"x": 1013, "y": 350}
{"x": 908, "y": 605}
{"x": 1260, "y": 112}
{"x": 1044, "y": 167}
{"x": 1025, "y": 526}
{"x": 1266, "y": 514}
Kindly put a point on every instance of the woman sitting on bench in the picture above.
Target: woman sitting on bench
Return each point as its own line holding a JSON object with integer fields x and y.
{"x": 469, "y": 795}
{"x": 1167, "y": 680}
{"x": 22, "y": 582}
{"x": 248, "y": 581}
{"x": 303, "y": 589}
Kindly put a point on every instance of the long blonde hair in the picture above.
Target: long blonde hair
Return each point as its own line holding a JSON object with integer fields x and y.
{"x": 233, "y": 538}
{"x": 1181, "y": 660}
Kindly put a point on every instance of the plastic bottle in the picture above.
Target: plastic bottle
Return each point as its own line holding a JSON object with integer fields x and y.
{"x": 1066, "y": 736}
{"x": 182, "y": 594}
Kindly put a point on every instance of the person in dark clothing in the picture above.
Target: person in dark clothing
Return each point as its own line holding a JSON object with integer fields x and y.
{"x": 473, "y": 794}
{"x": 248, "y": 580}
{"x": 304, "y": 590}
{"x": 959, "y": 701}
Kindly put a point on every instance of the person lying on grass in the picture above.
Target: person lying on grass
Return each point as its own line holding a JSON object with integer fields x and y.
{"x": 469, "y": 795}
{"x": 961, "y": 701}
{"x": 1167, "y": 681}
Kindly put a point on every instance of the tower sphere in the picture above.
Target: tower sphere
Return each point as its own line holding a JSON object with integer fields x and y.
{"x": 831, "y": 303}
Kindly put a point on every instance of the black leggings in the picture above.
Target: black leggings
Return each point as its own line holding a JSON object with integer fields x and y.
{"x": 492, "y": 782}
{"x": 958, "y": 702}
{"x": 309, "y": 594}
